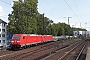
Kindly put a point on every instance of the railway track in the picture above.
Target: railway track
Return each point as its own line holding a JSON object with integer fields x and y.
{"x": 66, "y": 53}
{"x": 80, "y": 52}
{"x": 83, "y": 53}
{"x": 4, "y": 52}
{"x": 67, "y": 57}
{"x": 37, "y": 52}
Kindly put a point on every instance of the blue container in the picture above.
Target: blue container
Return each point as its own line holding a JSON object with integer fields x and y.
{"x": 9, "y": 37}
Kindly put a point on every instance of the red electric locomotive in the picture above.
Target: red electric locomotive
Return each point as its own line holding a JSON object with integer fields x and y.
{"x": 23, "y": 40}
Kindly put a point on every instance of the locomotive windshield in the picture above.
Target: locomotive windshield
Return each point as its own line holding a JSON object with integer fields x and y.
{"x": 16, "y": 37}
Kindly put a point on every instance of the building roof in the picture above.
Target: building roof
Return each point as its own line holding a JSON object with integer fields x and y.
{"x": 1, "y": 21}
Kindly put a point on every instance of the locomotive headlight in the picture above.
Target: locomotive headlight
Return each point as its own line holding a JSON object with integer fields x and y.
{"x": 12, "y": 41}
{"x": 18, "y": 41}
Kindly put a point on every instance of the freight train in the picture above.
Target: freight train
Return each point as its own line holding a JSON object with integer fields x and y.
{"x": 23, "y": 40}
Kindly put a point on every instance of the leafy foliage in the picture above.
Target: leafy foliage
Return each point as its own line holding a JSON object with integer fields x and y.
{"x": 25, "y": 18}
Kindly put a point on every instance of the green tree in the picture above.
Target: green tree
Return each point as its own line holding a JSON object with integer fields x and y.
{"x": 39, "y": 24}
{"x": 23, "y": 17}
{"x": 60, "y": 30}
{"x": 41, "y": 20}
{"x": 54, "y": 29}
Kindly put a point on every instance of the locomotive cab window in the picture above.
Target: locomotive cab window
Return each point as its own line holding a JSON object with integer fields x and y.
{"x": 24, "y": 37}
{"x": 16, "y": 37}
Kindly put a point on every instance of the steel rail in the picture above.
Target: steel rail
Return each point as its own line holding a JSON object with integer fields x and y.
{"x": 80, "y": 52}
{"x": 65, "y": 55}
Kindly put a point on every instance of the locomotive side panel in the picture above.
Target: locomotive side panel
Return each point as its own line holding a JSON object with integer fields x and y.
{"x": 48, "y": 38}
{"x": 23, "y": 40}
{"x": 33, "y": 39}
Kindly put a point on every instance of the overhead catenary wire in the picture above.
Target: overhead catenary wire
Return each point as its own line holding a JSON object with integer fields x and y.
{"x": 5, "y": 2}
{"x": 77, "y": 9}
{"x": 51, "y": 7}
{"x": 71, "y": 9}
{"x": 2, "y": 14}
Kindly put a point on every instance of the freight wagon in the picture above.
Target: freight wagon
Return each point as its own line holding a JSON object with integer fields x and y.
{"x": 9, "y": 37}
{"x": 22, "y": 40}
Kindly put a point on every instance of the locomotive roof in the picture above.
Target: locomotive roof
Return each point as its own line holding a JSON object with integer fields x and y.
{"x": 31, "y": 34}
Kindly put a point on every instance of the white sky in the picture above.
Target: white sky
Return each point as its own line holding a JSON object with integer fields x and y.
{"x": 56, "y": 10}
